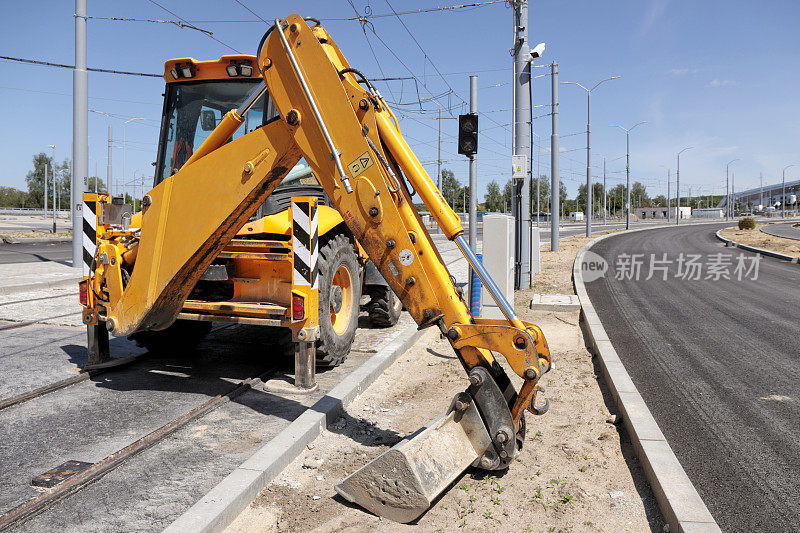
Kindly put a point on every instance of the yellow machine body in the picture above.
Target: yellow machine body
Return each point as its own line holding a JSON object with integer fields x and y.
{"x": 351, "y": 140}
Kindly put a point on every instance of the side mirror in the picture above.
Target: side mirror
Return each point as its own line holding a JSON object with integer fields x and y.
{"x": 208, "y": 120}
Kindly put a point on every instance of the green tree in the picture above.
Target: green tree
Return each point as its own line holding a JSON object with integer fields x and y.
{"x": 35, "y": 178}
{"x": 639, "y": 195}
{"x": 101, "y": 185}
{"x": 660, "y": 201}
{"x": 616, "y": 200}
{"x": 451, "y": 189}
{"x": 597, "y": 198}
{"x": 11, "y": 197}
{"x": 493, "y": 197}
{"x": 63, "y": 184}
{"x": 508, "y": 191}
{"x": 544, "y": 193}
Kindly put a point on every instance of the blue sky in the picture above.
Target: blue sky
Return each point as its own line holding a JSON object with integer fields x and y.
{"x": 721, "y": 76}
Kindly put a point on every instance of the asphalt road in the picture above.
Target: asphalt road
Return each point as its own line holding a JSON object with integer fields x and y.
{"x": 718, "y": 364}
{"x": 34, "y": 252}
{"x": 788, "y": 230}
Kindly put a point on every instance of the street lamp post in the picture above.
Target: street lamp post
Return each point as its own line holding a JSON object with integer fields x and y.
{"x": 728, "y": 210}
{"x": 669, "y": 199}
{"x": 589, "y": 147}
{"x": 678, "y": 187}
{"x": 783, "y": 190}
{"x": 124, "y": 150}
{"x": 628, "y": 170}
{"x": 52, "y": 173}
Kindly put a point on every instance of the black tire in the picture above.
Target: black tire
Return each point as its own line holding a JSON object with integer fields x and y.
{"x": 384, "y": 306}
{"x": 181, "y": 335}
{"x": 335, "y": 340}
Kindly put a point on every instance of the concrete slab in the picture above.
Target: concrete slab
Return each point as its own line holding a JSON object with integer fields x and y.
{"x": 20, "y": 277}
{"x": 555, "y": 302}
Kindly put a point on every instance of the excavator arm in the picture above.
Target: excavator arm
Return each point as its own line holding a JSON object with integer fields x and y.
{"x": 333, "y": 116}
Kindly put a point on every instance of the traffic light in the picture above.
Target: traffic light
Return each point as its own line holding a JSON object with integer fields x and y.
{"x": 468, "y": 134}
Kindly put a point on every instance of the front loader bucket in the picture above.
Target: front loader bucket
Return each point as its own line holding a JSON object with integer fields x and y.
{"x": 401, "y": 483}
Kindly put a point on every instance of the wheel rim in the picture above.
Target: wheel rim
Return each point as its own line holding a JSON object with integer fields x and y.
{"x": 341, "y": 320}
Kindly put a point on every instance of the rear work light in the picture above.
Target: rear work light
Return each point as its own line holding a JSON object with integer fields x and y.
{"x": 298, "y": 307}
{"x": 83, "y": 292}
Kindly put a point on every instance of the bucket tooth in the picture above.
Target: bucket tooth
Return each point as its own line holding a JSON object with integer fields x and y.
{"x": 401, "y": 483}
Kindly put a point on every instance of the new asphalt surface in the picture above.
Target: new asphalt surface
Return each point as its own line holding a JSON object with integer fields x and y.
{"x": 718, "y": 364}
{"x": 34, "y": 252}
{"x": 788, "y": 230}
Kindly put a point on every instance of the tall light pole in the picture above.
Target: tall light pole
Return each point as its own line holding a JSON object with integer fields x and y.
{"x": 669, "y": 200}
{"x": 678, "y": 187}
{"x": 52, "y": 175}
{"x": 589, "y": 147}
{"x": 123, "y": 150}
{"x": 728, "y": 190}
{"x": 783, "y": 189}
{"x": 628, "y": 170}
{"x": 555, "y": 179}
{"x": 604, "y": 187}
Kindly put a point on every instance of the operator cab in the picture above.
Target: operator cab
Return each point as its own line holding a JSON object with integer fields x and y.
{"x": 197, "y": 97}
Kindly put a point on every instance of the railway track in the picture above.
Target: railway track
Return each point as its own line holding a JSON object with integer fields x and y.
{"x": 84, "y": 375}
{"x": 78, "y": 476}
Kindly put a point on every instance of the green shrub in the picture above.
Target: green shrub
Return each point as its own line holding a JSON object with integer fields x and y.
{"x": 747, "y": 223}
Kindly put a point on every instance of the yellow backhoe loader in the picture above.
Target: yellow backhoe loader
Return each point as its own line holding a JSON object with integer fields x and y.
{"x": 148, "y": 269}
{"x": 250, "y": 281}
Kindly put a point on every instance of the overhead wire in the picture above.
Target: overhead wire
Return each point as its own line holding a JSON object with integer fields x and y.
{"x": 187, "y": 22}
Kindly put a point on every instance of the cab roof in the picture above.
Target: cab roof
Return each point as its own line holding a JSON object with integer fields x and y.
{"x": 209, "y": 70}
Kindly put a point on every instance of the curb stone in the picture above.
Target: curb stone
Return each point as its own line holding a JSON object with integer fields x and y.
{"x": 222, "y": 504}
{"x": 38, "y": 285}
{"x": 8, "y": 239}
{"x": 680, "y": 504}
{"x": 761, "y": 251}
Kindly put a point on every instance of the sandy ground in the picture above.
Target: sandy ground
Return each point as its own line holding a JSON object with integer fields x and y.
{"x": 759, "y": 239}
{"x": 34, "y": 234}
{"x": 577, "y": 472}
{"x": 556, "y": 274}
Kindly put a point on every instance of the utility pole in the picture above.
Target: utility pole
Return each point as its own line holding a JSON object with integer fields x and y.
{"x": 80, "y": 133}
{"x": 605, "y": 195}
{"x": 728, "y": 209}
{"x": 589, "y": 201}
{"x": 783, "y": 190}
{"x": 52, "y": 175}
{"x": 473, "y": 172}
{"x": 669, "y": 198}
{"x": 628, "y": 170}
{"x": 54, "y": 198}
{"x": 761, "y": 190}
{"x": 733, "y": 194}
{"x": 522, "y": 140}
{"x": 555, "y": 181}
{"x": 46, "y": 168}
{"x": 438, "y": 162}
{"x": 678, "y": 188}
{"x": 109, "y": 167}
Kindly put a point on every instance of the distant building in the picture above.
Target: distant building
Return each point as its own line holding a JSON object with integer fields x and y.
{"x": 576, "y": 216}
{"x": 649, "y": 213}
{"x": 711, "y": 212}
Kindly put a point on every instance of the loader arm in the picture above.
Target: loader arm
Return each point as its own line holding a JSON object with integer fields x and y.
{"x": 335, "y": 118}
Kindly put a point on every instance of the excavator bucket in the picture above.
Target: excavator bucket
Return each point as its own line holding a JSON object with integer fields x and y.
{"x": 401, "y": 483}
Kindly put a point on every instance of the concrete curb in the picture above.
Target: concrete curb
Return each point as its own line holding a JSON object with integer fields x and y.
{"x": 34, "y": 240}
{"x": 39, "y": 285}
{"x": 681, "y": 505}
{"x": 217, "y": 509}
{"x": 761, "y": 251}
